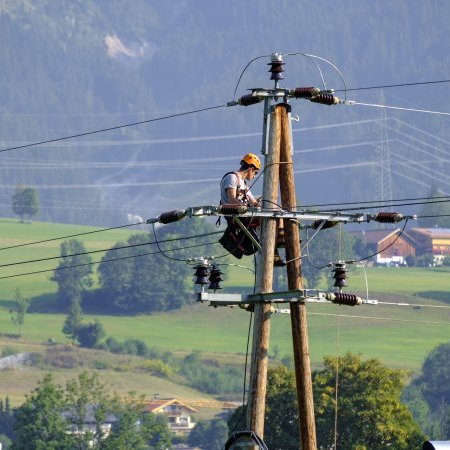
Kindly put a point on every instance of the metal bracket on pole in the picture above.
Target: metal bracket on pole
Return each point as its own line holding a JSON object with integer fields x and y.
{"x": 309, "y": 295}
{"x": 266, "y": 127}
{"x": 290, "y": 131}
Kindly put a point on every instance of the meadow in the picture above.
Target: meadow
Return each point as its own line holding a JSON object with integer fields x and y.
{"x": 401, "y": 336}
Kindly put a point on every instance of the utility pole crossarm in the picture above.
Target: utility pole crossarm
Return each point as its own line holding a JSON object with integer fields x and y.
{"x": 243, "y": 211}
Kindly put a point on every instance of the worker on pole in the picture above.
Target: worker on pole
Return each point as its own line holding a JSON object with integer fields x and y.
{"x": 234, "y": 191}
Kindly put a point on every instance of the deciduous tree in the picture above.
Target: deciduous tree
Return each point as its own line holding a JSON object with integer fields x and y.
{"x": 19, "y": 310}
{"x": 370, "y": 413}
{"x": 53, "y": 418}
{"x": 73, "y": 272}
{"x": 25, "y": 202}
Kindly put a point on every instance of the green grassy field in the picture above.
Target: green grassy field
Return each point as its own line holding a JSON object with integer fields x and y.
{"x": 13, "y": 233}
{"x": 399, "y": 336}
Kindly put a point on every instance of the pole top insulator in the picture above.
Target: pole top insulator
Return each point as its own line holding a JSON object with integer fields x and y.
{"x": 276, "y": 66}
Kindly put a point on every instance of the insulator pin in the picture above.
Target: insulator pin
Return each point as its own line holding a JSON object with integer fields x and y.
{"x": 171, "y": 216}
{"x": 388, "y": 217}
{"x": 215, "y": 278}
{"x": 249, "y": 99}
{"x": 276, "y": 63}
{"x": 305, "y": 92}
{"x": 233, "y": 210}
{"x": 340, "y": 275}
{"x": 325, "y": 98}
{"x": 344, "y": 299}
{"x": 201, "y": 274}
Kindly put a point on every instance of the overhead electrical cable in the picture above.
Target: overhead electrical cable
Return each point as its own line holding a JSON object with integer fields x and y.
{"x": 381, "y": 318}
{"x": 393, "y": 85}
{"x": 117, "y": 127}
{"x": 132, "y": 124}
{"x": 71, "y": 236}
{"x": 374, "y": 105}
{"x": 122, "y": 247}
{"x": 377, "y": 202}
{"x": 376, "y": 205}
{"x": 104, "y": 261}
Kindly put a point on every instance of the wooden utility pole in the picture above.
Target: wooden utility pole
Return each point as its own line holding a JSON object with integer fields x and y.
{"x": 295, "y": 281}
{"x": 264, "y": 284}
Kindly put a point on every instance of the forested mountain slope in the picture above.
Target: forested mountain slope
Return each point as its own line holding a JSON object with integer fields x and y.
{"x": 70, "y": 67}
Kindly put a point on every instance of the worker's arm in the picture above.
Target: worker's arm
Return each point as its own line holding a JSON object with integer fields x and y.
{"x": 232, "y": 200}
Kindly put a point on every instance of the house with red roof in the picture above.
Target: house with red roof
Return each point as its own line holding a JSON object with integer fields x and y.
{"x": 390, "y": 246}
{"x": 393, "y": 246}
{"x": 177, "y": 412}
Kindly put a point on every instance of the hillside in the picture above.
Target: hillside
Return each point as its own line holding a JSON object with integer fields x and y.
{"x": 74, "y": 68}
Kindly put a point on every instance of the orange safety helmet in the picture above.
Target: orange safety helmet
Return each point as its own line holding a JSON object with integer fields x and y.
{"x": 252, "y": 159}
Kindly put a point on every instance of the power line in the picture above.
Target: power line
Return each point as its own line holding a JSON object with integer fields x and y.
{"x": 106, "y": 261}
{"x": 381, "y": 318}
{"x": 103, "y": 130}
{"x": 71, "y": 236}
{"x": 392, "y": 85}
{"x": 127, "y": 125}
{"x": 374, "y": 105}
{"x": 122, "y": 247}
{"x": 378, "y": 202}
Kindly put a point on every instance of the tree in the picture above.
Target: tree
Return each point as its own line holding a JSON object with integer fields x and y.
{"x": 146, "y": 279}
{"x": 90, "y": 334}
{"x": 53, "y": 418}
{"x": 142, "y": 283}
{"x": 73, "y": 320}
{"x": 73, "y": 272}
{"x": 433, "y": 387}
{"x": 25, "y": 202}
{"x": 6, "y": 420}
{"x": 19, "y": 310}
{"x": 211, "y": 436}
{"x": 39, "y": 423}
{"x": 370, "y": 414}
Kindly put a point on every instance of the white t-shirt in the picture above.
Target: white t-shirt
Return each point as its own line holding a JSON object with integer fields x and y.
{"x": 234, "y": 181}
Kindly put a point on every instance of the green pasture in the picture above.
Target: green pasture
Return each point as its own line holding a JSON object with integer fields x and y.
{"x": 400, "y": 336}
{"x": 13, "y": 233}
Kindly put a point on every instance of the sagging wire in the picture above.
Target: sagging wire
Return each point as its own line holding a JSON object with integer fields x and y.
{"x": 244, "y": 405}
{"x": 331, "y": 64}
{"x": 71, "y": 236}
{"x": 117, "y": 127}
{"x": 104, "y": 260}
{"x": 306, "y": 245}
{"x": 244, "y": 70}
{"x": 353, "y": 261}
{"x": 236, "y": 265}
{"x": 122, "y": 247}
{"x": 383, "y": 249}
{"x": 321, "y": 225}
{"x": 161, "y": 251}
